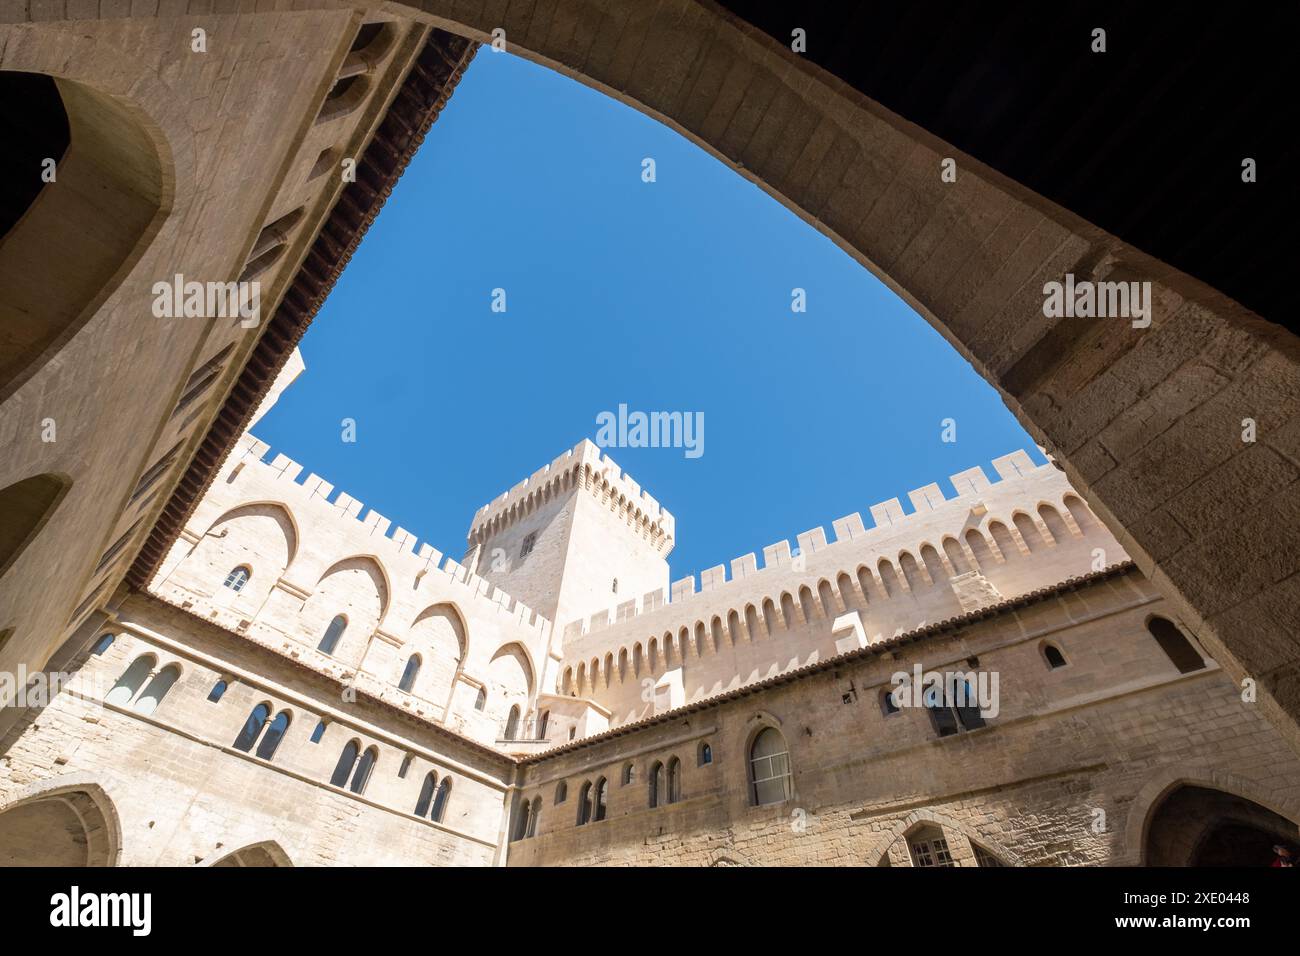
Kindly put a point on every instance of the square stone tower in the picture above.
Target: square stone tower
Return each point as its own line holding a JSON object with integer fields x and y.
{"x": 576, "y": 537}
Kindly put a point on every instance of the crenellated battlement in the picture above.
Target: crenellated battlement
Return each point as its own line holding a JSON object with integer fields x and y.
{"x": 401, "y": 551}
{"x": 903, "y": 569}
{"x": 584, "y": 466}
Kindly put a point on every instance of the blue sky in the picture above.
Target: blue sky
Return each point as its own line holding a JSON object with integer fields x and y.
{"x": 667, "y": 296}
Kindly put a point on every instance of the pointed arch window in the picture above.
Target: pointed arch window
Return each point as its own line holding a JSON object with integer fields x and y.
{"x": 601, "y": 799}
{"x": 252, "y": 728}
{"x": 561, "y": 792}
{"x": 584, "y": 804}
{"x": 441, "y": 800}
{"x": 426, "y": 795}
{"x": 674, "y": 780}
{"x": 480, "y": 701}
{"x": 655, "y": 785}
{"x": 347, "y": 760}
{"x": 410, "y": 673}
{"x": 534, "y": 818}
{"x": 274, "y": 734}
{"x": 153, "y": 695}
{"x": 218, "y": 691}
{"x": 238, "y": 577}
{"x": 103, "y": 644}
{"x": 706, "y": 754}
{"x": 318, "y": 732}
{"x": 129, "y": 684}
{"x": 332, "y": 634}
{"x": 512, "y": 723}
{"x": 364, "y": 768}
{"x": 769, "y": 768}
{"x": 629, "y": 773}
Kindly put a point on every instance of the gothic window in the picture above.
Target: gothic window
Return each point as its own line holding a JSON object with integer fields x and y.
{"x": 953, "y": 707}
{"x": 237, "y": 578}
{"x": 406, "y": 765}
{"x": 584, "y": 803}
{"x": 655, "y": 783}
{"x": 985, "y": 858}
{"x": 616, "y": 585}
{"x": 526, "y": 548}
{"x": 1052, "y": 654}
{"x": 410, "y": 673}
{"x": 103, "y": 644}
{"x": 1177, "y": 648}
{"x": 426, "y": 795}
{"x": 218, "y": 691}
{"x": 542, "y": 723}
{"x": 887, "y": 704}
{"x": 332, "y": 635}
{"x": 252, "y": 727}
{"x": 674, "y": 780}
{"x": 364, "y": 767}
{"x": 602, "y": 795}
{"x": 706, "y": 754}
{"x": 347, "y": 760}
{"x": 512, "y": 723}
{"x": 629, "y": 773}
{"x": 318, "y": 732}
{"x": 561, "y": 792}
{"x": 769, "y": 763}
{"x": 929, "y": 848}
{"x": 522, "y": 821}
{"x": 129, "y": 684}
{"x": 481, "y": 700}
{"x": 153, "y": 695}
{"x": 440, "y": 801}
{"x": 274, "y": 734}
{"x": 534, "y": 818}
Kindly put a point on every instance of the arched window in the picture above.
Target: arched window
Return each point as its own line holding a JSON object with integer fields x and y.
{"x": 237, "y": 578}
{"x": 561, "y": 792}
{"x": 332, "y": 635}
{"x": 27, "y": 505}
{"x": 769, "y": 768}
{"x": 953, "y": 706}
{"x": 629, "y": 773}
{"x": 542, "y": 724}
{"x": 1052, "y": 654}
{"x": 440, "y": 801}
{"x": 512, "y": 723}
{"x": 655, "y": 784}
{"x": 406, "y": 765}
{"x": 1177, "y": 648}
{"x": 409, "y": 674}
{"x": 103, "y": 644}
{"x": 426, "y": 795}
{"x": 318, "y": 732}
{"x": 888, "y": 705}
{"x": 706, "y": 754}
{"x": 274, "y": 734}
{"x": 129, "y": 684}
{"x": 535, "y": 818}
{"x": 929, "y": 848}
{"x": 252, "y": 727}
{"x": 522, "y": 821}
{"x": 364, "y": 767}
{"x": 481, "y": 700}
{"x": 674, "y": 780}
{"x": 584, "y": 803}
{"x": 158, "y": 687}
{"x": 602, "y": 797}
{"x": 985, "y": 857}
{"x": 347, "y": 760}
{"x": 218, "y": 691}
{"x": 615, "y": 585}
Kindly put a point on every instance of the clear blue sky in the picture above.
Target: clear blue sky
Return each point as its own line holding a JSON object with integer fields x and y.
{"x": 667, "y": 296}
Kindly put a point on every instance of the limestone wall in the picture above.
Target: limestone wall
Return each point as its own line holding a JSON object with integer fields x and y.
{"x": 183, "y": 794}
{"x": 312, "y": 557}
{"x": 949, "y": 556}
{"x": 1064, "y": 774}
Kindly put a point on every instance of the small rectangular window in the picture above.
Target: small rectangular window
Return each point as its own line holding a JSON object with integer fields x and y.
{"x": 529, "y": 540}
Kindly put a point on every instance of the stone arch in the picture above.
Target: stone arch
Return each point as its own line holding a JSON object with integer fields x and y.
{"x": 263, "y": 535}
{"x": 112, "y": 192}
{"x": 510, "y": 679}
{"x": 439, "y": 634}
{"x": 266, "y": 853}
{"x": 67, "y": 821}
{"x": 26, "y": 506}
{"x": 1166, "y": 781}
{"x": 923, "y": 816}
{"x": 357, "y": 588}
